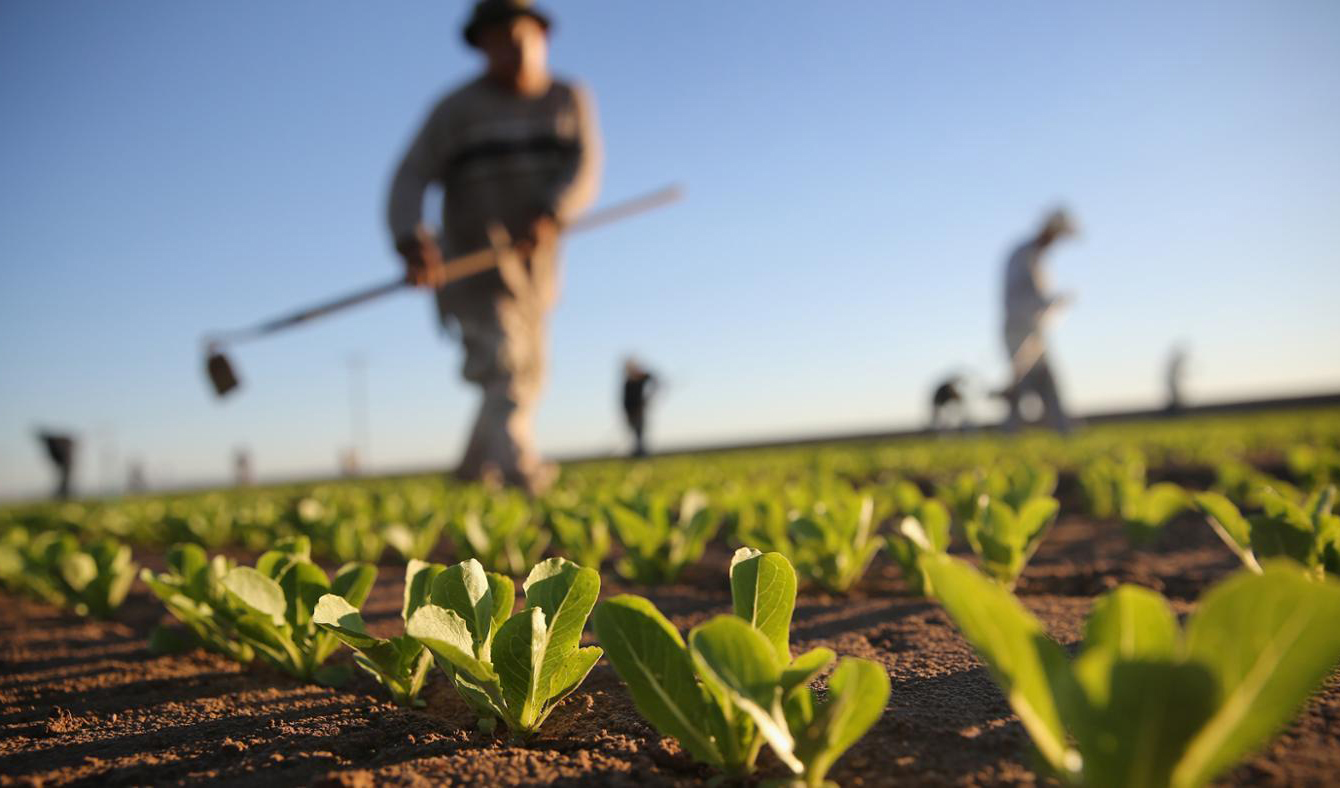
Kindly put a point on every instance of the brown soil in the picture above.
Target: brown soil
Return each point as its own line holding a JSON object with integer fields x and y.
{"x": 84, "y": 702}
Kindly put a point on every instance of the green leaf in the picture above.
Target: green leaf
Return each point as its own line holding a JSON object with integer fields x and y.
{"x": 303, "y": 585}
{"x": 651, "y": 658}
{"x": 257, "y": 592}
{"x": 354, "y": 582}
{"x": 518, "y": 653}
{"x": 1137, "y": 717}
{"x": 419, "y": 578}
{"x": 1269, "y": 640}
{"x": 566, "y": 593}
{"x": 1012, "y": 644}
{"x": 1229, "y": 524}
{"x": 448, "y": 636}
{"x": 78, "y": 570}
{"x": 738, "y": 661}
{"x": 335, "y": 614}
{"x": 1132, "y": 623}
{"x": 464, "y": 589}
{"x": 804, "y": 669}
{"x": 763, "y": 590}
{"x": 857, "y": 693}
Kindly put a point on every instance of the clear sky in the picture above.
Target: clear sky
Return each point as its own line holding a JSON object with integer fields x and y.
{"x": 857, "y": 173}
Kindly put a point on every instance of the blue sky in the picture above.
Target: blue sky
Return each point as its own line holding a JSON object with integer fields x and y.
{"x": 856, "y": 175}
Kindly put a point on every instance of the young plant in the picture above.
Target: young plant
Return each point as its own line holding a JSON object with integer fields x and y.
{"x": 501, "y": 533}
{"x": 833, "y": 545}
{"x": 90, "y": 579}
{"x": 417, "y": 541}
{"x": 274, "y": 603}
{"x": 656, "y": 549}
{"x": 922, "y": 533}
{"x": 1308, "y": 534}
{"x": 734, "y": 685}
{"x": 400, "y": 663}
{"x": 518, "y": 668}
{"x": 1006, "y": 538}
{"x": 192, "y": 591}
{"x": 583, "y": 535}
{"x": 1146, "y": 703}
{"x": 1119, "y": 489}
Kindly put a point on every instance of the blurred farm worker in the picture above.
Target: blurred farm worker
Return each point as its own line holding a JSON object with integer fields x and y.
{"x": 1176, "y": 371}
{"x": 517, "y": 153}
{"x": 947, "y": 406}
{"x": 60, "y": 450}
{"x": 638, "y": 387}
{"x": 1029, "y": 303}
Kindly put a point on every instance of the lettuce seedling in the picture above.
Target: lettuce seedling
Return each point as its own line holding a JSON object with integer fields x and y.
{"x": 1308, "y": 534}
{"x": 518, "y": 668}
{"x": 1006, "y": 538}
{"x": 1145, "y": 703}
{"x": 275, "y": 602}
{"x": 1119, "y": 489}
{"x": 734, "y": 686}
{"x": 417, "y": 541}
{"x": 400, "y": 663}
{"x": 91, "y": 579}
{"x": 656, "y": 549}
{"x": 192, "y": 591}
{"x": 834, "y": 543}
{"x": 926, "y": 531}
{"x": 583, "y": 534}
{"x": 501, "y": 533}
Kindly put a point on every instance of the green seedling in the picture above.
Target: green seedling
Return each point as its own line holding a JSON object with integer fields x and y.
{"x": 734, "y": 685}
{"x": 583, "y": 535}
{"x": 90, "y": 579}
{"x": 274, "y": 604}
{"x": 924, "y": 532}
{"x": 833, "y": 544}
{"x": 656, "y": 547}
{"x": 1005, "y": 538}
{"x": 1308, "y": 534}
{"x": 515, "y": 668}
{"x": 400, "y": 663}
{"x": 416, "y": 542}
{"x": 501, "y": 533}
{"x": 192, "y": 591}
{"x": 1146, "y": 703}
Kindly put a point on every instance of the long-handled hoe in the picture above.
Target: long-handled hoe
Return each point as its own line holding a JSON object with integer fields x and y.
{"x": 224, "y": 378}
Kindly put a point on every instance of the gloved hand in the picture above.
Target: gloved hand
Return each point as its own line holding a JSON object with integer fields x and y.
{"x": 424, "y": 266}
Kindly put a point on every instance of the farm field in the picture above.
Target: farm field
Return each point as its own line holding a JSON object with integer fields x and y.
{"x": 85, "y": 699}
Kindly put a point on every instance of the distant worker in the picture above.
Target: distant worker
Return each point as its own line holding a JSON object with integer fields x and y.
{"x": 947, "y": 407}
{"x": 639, "y": 386}
{"x": 518, "y": 155}
{"x": 1028, "y": 305}
{"x": 60, "y": 450}
{"x": 242, "y": 476}
{"x": 1176, "y": 371}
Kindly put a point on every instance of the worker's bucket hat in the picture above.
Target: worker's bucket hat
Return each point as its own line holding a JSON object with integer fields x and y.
{"x": 490, "y": 12}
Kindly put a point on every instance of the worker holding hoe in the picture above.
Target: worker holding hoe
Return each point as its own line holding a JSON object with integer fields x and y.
{"x": 1029, "y": 304}
{"x": 517, "y": 153}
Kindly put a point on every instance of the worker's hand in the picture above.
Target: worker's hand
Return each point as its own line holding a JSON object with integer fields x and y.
{"x": 424, "y": 266}
{"x": 1061, "y": 301}
{"x": 542, "y": 234}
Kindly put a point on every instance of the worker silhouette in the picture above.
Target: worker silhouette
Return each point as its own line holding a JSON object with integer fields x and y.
{"x": 639, "y": 385}
{"x": 947, "y": 407}
{"x": 1029, "y": 305}
{"x": 60, "y": 450}
{"x": 517, "y": 153}
{"x": 1175, "y": 373}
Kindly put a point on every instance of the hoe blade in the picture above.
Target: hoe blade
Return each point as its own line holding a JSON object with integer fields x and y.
{"x": 220, "y": 373}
